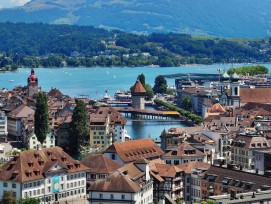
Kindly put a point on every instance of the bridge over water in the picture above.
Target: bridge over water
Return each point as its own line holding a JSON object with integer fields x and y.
{"x": 139, "y": 114}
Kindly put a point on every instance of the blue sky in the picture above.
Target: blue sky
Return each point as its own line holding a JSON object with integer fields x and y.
{"x": 12, "y": 3}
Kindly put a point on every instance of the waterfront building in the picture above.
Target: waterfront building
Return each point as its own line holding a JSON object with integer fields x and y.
{"x": 129, "y": 151}
{"x": 167, "y": 180}
{"x": 99, "y": 167}
{"x": 129, "y": 184}
{"x": 138, "y": 95}
{"x": 243, "y": 148}
{"x": 32, "y": 84}
{"x": 223, "y": 181}
{"x": 106, "y": 127}
{"x": 15, "y": 118}
{"x": 184, "y": 153}
{"x": 48, "y": 174}
{"x": 3, "y": 127}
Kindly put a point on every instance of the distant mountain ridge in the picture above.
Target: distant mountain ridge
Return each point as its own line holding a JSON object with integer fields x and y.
{"x": 230, "y": 18}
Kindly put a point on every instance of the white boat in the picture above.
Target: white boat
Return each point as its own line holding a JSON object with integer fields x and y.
{"x": 106, "y": 97}
{"x": 11, "y": 80}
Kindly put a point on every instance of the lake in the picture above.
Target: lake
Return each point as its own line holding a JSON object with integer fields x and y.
{"x": 93, "y": 82}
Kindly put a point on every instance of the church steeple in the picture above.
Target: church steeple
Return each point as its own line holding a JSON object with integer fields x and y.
{"x": 32, "y": 83}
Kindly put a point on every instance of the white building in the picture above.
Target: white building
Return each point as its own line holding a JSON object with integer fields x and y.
{"x": 48, "y": 174}
{"x": 129, "y": 184}
{"x": 3, "y": 127}
{"x": 31, "y": 141}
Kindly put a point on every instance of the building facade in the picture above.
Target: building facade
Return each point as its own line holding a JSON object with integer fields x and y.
{"x": 48, "y": 174}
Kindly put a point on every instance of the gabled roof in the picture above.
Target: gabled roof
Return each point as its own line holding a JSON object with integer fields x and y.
{"x": 135, "y": 149}
{"x": 54, "y": 93}
{"x": 138, "y": 88}
{"x": 217, "y": 108}
{"x": 122, "y": 180}
{"x": 181, "y": 151}
{"x": 32, "y": 164}
{"x": 98, "y": 163}
{"x": 166, "y": 170}
{"x": 22, "y": 111}
{"x": 188, "y": 167}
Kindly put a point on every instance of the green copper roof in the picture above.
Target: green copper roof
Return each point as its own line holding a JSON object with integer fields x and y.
{"x": 235, "y": 76}
{"x": 225, "y": 76}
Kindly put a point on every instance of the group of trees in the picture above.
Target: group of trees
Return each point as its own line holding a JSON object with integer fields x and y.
{"x": 193, "y": 117}
{"x": 249, "y": 70}
{"x": 9, "y": 198}
{"x": 45, "y": 45}
{"x": 78, "y": 128}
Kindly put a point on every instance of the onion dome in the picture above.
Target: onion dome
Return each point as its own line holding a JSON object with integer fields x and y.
{"x": 235, "y": 77}
{"x": 225, "y": 76}
{"x": 32, "y": 77}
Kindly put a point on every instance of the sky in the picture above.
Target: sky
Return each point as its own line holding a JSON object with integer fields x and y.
{"x": 12, "y": 3}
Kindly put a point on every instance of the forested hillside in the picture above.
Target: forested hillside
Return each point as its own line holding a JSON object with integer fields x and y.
{"x": 60, "y": 45}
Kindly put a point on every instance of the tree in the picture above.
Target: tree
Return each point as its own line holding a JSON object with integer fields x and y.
{"x": 149, "y": 92}
{"x": 187, "y": 102}
{"x": 79, "y": 130}
{"x": 29, "y": 201}
{"x": 8, "y": 198}
{"x": 41, "y": 117}
{"x": 141, "y": 78}
{"x": 160, "y": 84}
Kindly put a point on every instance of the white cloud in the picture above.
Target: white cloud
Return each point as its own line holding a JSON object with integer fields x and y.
{"x": 12, "y": 3}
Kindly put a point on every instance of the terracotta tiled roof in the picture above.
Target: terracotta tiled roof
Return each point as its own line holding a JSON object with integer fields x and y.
{"x": 257, "y": 95}
{"x": 136, "y": 149}
{"x": 190, "y": 166}
{"x": 217, "y": 108}
{"x": 22, "y": 111}
{"x": 138, "y": 88}
{"x": 33, "y": 164}
{"x": 166, "y": 170}
{"x": 55, "y": 93}
{"x": 98, "y": 163}
{"x": 122, "y": 180}
{"x": 250, "y": 140}
{"x": 184, "y": 150}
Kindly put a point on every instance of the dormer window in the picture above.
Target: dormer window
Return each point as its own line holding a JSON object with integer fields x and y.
{"x": 77, "y": 165}
{"x": 30, "y": 163}
{"x": 54, "y": 159}
{"x": 41, "y": 162}
{"x": 36, "y": 155}
{"x": 63, "y": 158}
{"x": 49, "y": 153}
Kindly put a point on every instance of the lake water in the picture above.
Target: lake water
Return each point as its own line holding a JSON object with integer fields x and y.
{"x": 92, "y": 82}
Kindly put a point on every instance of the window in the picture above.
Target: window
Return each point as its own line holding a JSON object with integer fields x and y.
{"x": 5, "y": 184}
{"x": 34, "y": 184}
{"x": 111, "y": 196}
{"x": 122, "y": 197}
{"x": 113, "y": 156}
{"x": 25, "y": 185}
{"x": 14, "y": 185}
{"x": 38, "y": 191}
{"x": 49, "y": 189}
{"x": 38, "y": 183}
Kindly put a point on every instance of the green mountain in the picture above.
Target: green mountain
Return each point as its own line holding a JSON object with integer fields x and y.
{"x": 228, "y": 18}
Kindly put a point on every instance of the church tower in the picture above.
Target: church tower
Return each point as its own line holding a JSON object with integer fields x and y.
{"x": 234, "y": 96}
{"x": 138, "y": 95}
{"x": 32, "y": 84}
{"x": 224, "y": 86}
